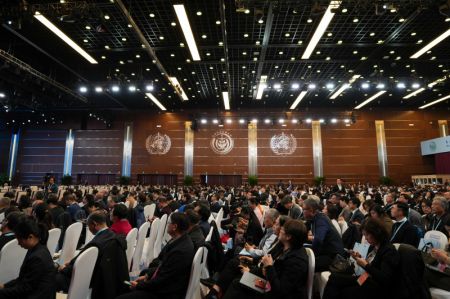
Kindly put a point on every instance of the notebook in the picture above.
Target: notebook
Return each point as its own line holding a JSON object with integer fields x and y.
{"x": 250, "y": 280}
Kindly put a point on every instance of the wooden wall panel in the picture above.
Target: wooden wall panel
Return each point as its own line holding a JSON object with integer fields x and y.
{"x": 173, "y": 161}
{"x": 403, "y": 137}
{"x": 40, "y": 152}
{"x": 97, "y": 151}
{"x": 297, "y": 166}
{"x": 206, "y": 161}
{"x": 350, "y": 152}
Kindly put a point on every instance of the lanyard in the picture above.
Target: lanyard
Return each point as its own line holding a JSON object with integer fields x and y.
{"x": 396, "y": 231}
{"x": 434, "y": 227}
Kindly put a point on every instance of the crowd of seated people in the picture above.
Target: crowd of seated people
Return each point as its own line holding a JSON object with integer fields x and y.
{"x": 266, "y": 229}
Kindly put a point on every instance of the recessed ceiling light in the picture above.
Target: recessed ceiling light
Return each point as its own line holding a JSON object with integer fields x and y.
{"x": 380, "y": 86}
{"x": 242, "y": 121}
{"x": 85, "y": 40}
{"x": 355, "y": 20}
{"x": 267, "y": 121}
{"x": 132, "y": 88}
{"x": 106, "y": 17}
{"x": 311, "y": 86}
{"x": 329, "y": 85}
{"x": 199, "y": 13}
{"x": 82, "y": 89}
{"x": 204, "y": 36}
{"x": 329, "y": 34}
{"x": 173, "y": 24}
{"x": 380, "y": 41}
{"x": 372, "y": 34}
{"x": 308, "y": 120}
{"x": 124, "y": 39}
{"x": 344, "y": 10}
{"x": 309, "y": 20}
{"x": 295, "y": 86}
{"x": 339, "y": 42}
{"x": 245, "y": 34}
{"x": 217, "y": 22}
{"x": 98, "y": 89}
{"x": 103, "y": 57}
{"x": 365, "y": 85}
{"x": 280, "y": 53}
{"x": 413, "y": 33}
{"x": 161, "y": 37}
{"x": 88, "y": 27}
{"x": 260, "y": 21}
{"x": 115, "y": 88}
{"x": 415, "y": 85}
{"x": 152, "y": 15}
{"x": 401, "y": 20}
{"x": 277, "y": 86}
{"x": 287, "y": 34}
{"x": 300, "y": 42}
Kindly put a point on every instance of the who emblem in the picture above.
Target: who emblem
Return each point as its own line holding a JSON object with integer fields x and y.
{"x": 158, "y": 144}
{"x": 222, "y": 142}
{"x": 282, "y": 144}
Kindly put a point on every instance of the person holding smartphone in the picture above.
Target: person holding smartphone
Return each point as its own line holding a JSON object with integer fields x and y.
{"x": 380, "y": 267}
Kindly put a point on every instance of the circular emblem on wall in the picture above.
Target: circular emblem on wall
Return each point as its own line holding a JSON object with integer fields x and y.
{"x": 222, "y": 142}
{"x": 282, "y": 144}
{"x": 158, "y": 144}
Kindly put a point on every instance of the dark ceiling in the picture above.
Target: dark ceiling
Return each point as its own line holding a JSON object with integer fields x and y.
{"x": 371, "y": 38}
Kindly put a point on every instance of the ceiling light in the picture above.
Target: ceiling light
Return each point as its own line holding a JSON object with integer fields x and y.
{"x": 281, "y": 121}
{"x": 308, "y": 120}
{"x": 277, "y": 86}
{"x": 217, "y": 22}
{"x": 64, "y": 37}
{"x": 347, "y": 121}
{"x": 83, "y": 89}
{"x": 226, "y": 100}
{"x": 262, "y": 85}
{"x": 106, "y": 17}
{"x": 267, "y": 121}
{"x": 298, "y": 100}
{"x": 199, "y": 13}
{"x": 294, "y": 121}
{"x": 132, "y": 88}
{"x": 242, "y": 121}
{"x": 324, "y": 22}
{"x": 365, "y": 85}
{"x": 178, "y": 88}
{"x": 309, "y": 20}
{"x": 380, "y": 85}
{"x": 229, "y": 121}
{"x": 204, "y": 36}
{"x": 401, "y": 85}
{"x": 204, "y": 121}
{"x": 311, "y": 86}
{"x": 435, "y": 102}
{"x": 415, "y": 85}
{"x": 247, "y": 11}
{"x": 334, "y": 120}
{"x": 329, "y": 86}
{"x": 339, "y": 91}
{"x": 414, "y": 93}
{"x": 173, "y": 24}
{"x": 215, "y": 121}
{"x": 381, "y": 92}
{"x": 339, "y": 42}
{"x": 98, "y": 89}
{"x": 187, "y": 31}
{"x": 433, "y": 43}
{"x": 372, "y": 34}
{"x": 115, "y": 88}
{"x": 2, "y": 95}
{"x": 155, "y": 100}
{"x": 149, "y": 87}
{"x": 401, "y": 20}
{"x": 88, "y": 27}
{"x": 295, "y": 86}
{"x": 260, "y": 21}
{"x": 245, "y": 34}
{"x": 355, "y": 20}
{"x": 255, "y": 121}
{"x": 321, "y": 120}
{"x": 287, "y": 35}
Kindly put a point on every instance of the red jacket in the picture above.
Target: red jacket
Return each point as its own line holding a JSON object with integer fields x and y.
{"x": 121, "y": 227}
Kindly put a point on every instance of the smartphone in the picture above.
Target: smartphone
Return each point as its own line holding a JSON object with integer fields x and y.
{"x": 127, "y": 282}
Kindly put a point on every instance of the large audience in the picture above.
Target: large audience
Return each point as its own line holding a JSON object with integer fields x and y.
{"x": 265, "y": 232}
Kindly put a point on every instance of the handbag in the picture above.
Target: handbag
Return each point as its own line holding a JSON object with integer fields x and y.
{"x": 341, "y": 265}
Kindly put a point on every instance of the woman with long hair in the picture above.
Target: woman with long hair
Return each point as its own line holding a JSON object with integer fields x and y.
{"x": 37, "y": 274}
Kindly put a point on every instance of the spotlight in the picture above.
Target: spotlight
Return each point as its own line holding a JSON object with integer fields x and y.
{"x": 321, "y": 120}
{"x": 401, "y": 85}
{"x": 2, "y": 95}
{"x": 215, "y": 121}
{"x": 229, "y": 121}
{"x": 204, "y": 121}
{"x": 330, "y": 86}
{"x": 347, "y": 121}
{"x": 365, "y": 85}
{"x": 132, "y": 88}
{"x": 242, "y": 121}
{"x": 83, "y": 89}
{"x": 294, "y": 121}
{"x": 255, "y": 121}
{"x": 415, "y": 85}
{"x": 98, "y": 89}
{"x": 267, "y": 121}
{"x": 295, "y": 86}
{"x": 381, "y": 86}
{"x": 311, "y": 86}
{"x": 277, "y": 86}
{"x": 281, "y": 121}
{"x": 115, "y": 88}
{"x": 149, "y": 88}
{"x": 308, "y": 120}
{"x": 333, "y": 120}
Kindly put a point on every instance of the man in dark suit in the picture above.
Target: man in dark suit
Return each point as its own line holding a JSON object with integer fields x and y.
{"x": 111, "y": 268}
{"x": 355, "y": 214}
{"x": 10, "y": 222}
{"x": 402, "y": 230}
{"x": 339, "y": 187}
{"x": 169, "y": 280}
{"x": 440, "y": 214}
{"x": 194, "y": 231}
{"x": 326, "y": 241}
